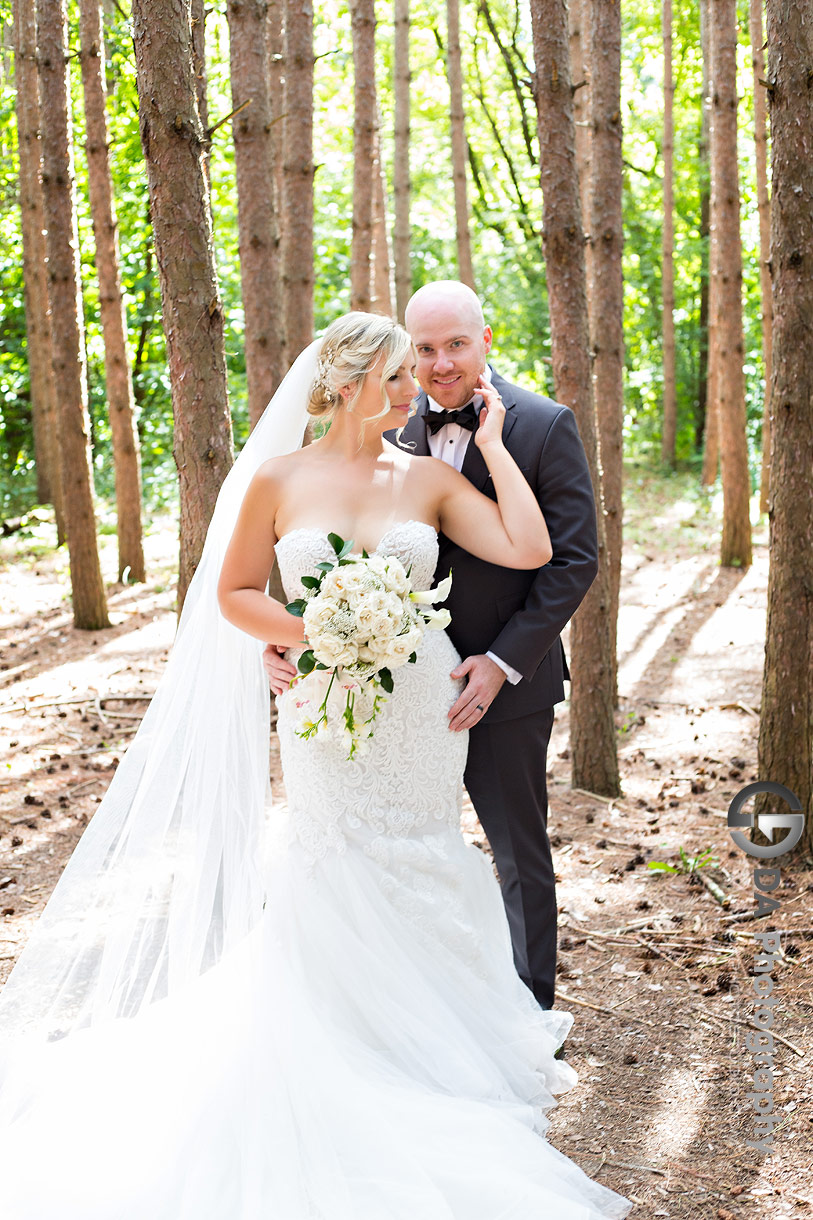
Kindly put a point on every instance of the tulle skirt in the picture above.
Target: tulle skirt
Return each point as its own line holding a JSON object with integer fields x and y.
{"x": 341, "y": 1064}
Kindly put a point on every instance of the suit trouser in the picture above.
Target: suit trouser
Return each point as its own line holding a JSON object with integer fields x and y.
{"x": 506, "y": 780}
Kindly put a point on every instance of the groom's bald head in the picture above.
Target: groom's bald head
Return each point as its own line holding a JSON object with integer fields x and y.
{"x": 445, "y": 320}
{"x": 450, "y": 295}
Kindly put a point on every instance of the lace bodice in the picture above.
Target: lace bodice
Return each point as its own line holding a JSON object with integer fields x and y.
{"x": 415, "y": 543}
{"x": 408, "y": 784}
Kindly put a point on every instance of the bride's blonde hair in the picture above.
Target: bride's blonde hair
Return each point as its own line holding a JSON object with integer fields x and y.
{"x": 350, "y": 347}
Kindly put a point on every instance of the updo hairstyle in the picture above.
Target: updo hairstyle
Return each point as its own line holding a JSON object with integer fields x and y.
{"x": 350, "y": 347}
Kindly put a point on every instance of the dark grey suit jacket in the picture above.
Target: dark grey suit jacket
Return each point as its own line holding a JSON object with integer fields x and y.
{"x": 518, "y": 615}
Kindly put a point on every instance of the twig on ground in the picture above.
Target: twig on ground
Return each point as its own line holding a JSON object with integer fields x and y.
{"x": 97, "y": 779}
{"x": 750, "y": 1025}
{"x": 742, "y": 916}
{"x": 608, "y": 800}
{"x": 716, "y": 891}
{"x": 609, "y": 1012}
{"x": 624, "y": 1164}
{"x": 659, "y": 952}
{"x": 739, "y": 706}
{"x": 35, "y": 707}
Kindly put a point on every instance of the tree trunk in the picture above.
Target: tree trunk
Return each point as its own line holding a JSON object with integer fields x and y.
{"x": 198, "y": 19}
{"x": 275, "y": 67}
{"x": 669, "y": 430}
{"x": 275, "y": 61}
{"x": 401, "y": 176}
{"x": 120, "y": 401}
{"x": 703, "y": 173}
{"x": 579, "y": 26}
{"x": 460, "y": 154}
{"x": 254, "y": 166}
{"x": 172, "y": 139}
{"x": 593, "y": 741}
{"x": 382, "y": 261}
{"x": 365, "y": 162}
{"x": 67, "y": 322}
{"x": 786, "y": 723}
{"x": 606, "y": 300}
{"x": 764, "y": 209}
{"x": 726, "y": 270}
{"x": 297, "y": 243}
{"x": 35, "y": 275}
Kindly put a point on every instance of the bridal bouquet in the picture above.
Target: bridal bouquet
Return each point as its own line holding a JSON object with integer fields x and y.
{"x": 362, "y": 620}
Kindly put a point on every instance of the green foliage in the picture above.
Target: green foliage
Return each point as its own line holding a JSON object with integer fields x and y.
{"x": 687, "y": 864}
{"x": 505, "y": 200}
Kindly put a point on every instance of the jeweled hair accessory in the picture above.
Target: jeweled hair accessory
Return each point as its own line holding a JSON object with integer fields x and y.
{"x": 323, "y": 367}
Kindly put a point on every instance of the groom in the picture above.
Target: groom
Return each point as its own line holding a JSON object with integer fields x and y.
{"x": 506, "y": 623}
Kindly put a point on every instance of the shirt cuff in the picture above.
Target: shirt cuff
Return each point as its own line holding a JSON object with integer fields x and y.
{"x": 511, "y": 674}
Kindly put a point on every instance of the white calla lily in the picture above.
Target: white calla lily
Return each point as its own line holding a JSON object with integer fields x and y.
{"x": 437, "y": 620}
{"x": 428, "y": 597}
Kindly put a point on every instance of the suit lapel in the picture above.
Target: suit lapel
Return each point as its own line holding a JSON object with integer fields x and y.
{"x": 474, "y": 466}
{"x": 506, "y": 393}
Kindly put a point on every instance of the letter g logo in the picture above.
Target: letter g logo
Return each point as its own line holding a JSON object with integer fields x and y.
{"x": 766, "y": 822}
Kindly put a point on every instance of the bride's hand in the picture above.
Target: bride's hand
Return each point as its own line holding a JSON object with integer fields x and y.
{"x": 280, "y": 672}
{"x": 490, "y": 429}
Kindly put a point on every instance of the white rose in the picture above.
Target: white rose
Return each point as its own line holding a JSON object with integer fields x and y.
{"x": 377, "y": 565}
{"x": 382, "y": 625}
{"x": 413, "y": 637}
{"x": 396, "y": 578}
{"x": 333, "y": 651}
{"x": 368, "y": 618}
{"x": 335, "y": 582}
{"x": 402, "y": 648}
{"x": 380, "y": 647}
{"x": 318, "y": 614}
{"x": 355, "y": 578}
{"x": 376, "y": 599}
{"x": 395, "y": 607}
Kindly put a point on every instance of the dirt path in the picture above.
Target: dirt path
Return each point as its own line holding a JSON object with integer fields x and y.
{"x": 656, "y": 973}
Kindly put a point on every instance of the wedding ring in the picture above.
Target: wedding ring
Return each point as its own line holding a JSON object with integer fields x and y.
{"x": 480, "y": 707}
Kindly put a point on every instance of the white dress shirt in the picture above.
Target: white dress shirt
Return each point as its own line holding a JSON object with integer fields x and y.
{"x": 450, "y": 444}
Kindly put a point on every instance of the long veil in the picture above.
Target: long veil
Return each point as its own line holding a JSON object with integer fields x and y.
{"x": 168, "y": 875}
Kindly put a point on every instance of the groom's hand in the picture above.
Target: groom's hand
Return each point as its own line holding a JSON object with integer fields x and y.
{"x": 281, "y": 673}
{"x": 485, "y": 679}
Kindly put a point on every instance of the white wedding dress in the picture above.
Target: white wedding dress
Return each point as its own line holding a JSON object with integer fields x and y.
{"x": 368, "y": 1052}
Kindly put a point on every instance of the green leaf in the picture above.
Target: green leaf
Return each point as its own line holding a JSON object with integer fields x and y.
{"x": 297, "y": 607}
{"x": 336, "y": 542}
{"x": 660, "y": 867}
{"x": 364, "y": 554}
{"x": 412, "y": 659}
{"x": 325, "y": 567}
{"x": 311, "y": 582}
{"x": 307, "y": 662}
{"x": 385, "y": 678}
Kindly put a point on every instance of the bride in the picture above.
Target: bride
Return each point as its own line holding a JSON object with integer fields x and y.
{"x": 224, "y": 1016}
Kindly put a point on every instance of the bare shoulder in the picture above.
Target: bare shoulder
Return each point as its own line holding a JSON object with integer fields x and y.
{"x": 431, "y": 471}
{"x": 273, "y": 474}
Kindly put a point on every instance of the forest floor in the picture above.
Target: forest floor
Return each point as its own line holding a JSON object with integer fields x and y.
{"x": 654, "y": 970}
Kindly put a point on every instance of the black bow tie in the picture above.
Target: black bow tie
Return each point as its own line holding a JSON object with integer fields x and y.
{"x": 466, "y": 417}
